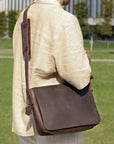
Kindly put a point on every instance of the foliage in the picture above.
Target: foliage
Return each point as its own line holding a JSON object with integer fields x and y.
{"x": 12, "y": 16}
{"x": 18, "y": 13}
{"x": 92, "y": 32}
{"x": 81, "y": 10}
{"x": 105, "y": 28}
{"x": 8, "y": 22}
{"x": 11, "y": 23}
{"x": 3, "y": 23}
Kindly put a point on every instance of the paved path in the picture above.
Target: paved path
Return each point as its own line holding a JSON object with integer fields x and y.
{"x": 102, "y": 60}
{"x": 9, "y": 57}
{"x": 6, "y": 51}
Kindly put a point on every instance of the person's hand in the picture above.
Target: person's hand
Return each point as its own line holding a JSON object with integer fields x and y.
{"x": 88, "y": 58}
{"x": 91, "y": 87}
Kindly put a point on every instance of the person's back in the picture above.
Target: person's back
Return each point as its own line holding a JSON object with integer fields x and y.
{"x": 57, "y": 54}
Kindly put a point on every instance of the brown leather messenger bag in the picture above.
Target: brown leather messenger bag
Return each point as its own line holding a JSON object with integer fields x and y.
{"x": 57, "y": 109}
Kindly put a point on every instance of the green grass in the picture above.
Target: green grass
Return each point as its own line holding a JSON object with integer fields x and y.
{"x": 5, "y": 43}
{"x": 100, "y": 52}
{"x": 103, "y": 85}
{"x": 99, "y": 46}
{"x": 6, "y": 136}
{"x": 101, "y": 55}
{"x": 6, "y": 54}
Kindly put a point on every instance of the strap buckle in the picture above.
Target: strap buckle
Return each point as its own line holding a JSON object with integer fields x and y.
{"x": 28, "y": 110}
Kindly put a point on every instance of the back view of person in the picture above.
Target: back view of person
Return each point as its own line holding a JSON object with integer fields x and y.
{"x": 57, "y": 55}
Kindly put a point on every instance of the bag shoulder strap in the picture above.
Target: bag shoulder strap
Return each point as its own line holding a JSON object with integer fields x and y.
{"x": 25, "y": 27}
{"x": 26, "y": 48}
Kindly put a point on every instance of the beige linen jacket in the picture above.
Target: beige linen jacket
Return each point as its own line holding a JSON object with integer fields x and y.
{"x": 57, "y": 54}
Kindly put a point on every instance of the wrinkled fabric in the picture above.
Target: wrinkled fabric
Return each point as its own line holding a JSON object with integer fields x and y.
{"x": 57, "y": 54}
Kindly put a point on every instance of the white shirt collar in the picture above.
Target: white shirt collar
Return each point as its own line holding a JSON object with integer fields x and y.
{"x": 55, "y": 2}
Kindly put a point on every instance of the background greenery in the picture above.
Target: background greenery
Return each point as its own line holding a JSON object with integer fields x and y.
{"x": 103, "y": 30}
{"x": 103, "y": 85}
{"x": 12, "y": 18}
{"x": 3, "y": 23}
{"x": 7, "y": 22}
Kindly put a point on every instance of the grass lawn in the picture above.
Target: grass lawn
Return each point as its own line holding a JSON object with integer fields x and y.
{"x": 101, "y": 55}
{"x": 103, "y": 85}
{"x": 99, "y": 51}
{"x": 6, "y": 54}
{"x": 5, "y": 43}
{"x": 99, "y": 46}
{"x": 6, "y": 137}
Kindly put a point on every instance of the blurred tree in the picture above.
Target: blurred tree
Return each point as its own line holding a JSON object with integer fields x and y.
{"x": 3, "y": 23}
{"x": 105, "y": 28}
{"x": 12, "y": 16}
{"x": 81, "y": 11}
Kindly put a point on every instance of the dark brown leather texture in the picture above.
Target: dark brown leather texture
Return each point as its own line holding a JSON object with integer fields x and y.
{"x": 64, "y": 109}
{"x": 57, "y": 109}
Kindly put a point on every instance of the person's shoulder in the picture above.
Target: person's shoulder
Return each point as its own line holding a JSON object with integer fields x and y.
{"x": 67, "y": 18}
{"x": 67, "y": 15}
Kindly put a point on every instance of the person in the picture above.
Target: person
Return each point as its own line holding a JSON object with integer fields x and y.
{"x": 57, "y": 55}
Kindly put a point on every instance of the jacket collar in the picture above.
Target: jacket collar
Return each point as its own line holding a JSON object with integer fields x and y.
{"x": 53, "y": 2}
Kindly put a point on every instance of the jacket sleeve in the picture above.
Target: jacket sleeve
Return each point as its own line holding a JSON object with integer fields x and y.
{"x": 71, "y": 60}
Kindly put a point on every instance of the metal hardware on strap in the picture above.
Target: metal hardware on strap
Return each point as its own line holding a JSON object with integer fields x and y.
{"x": 28, "y": 110}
